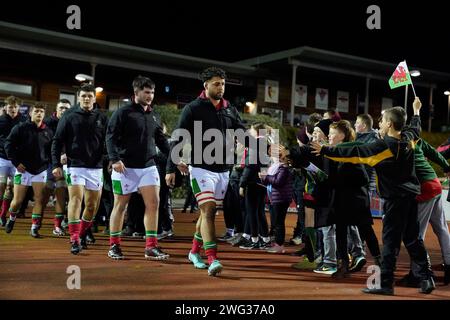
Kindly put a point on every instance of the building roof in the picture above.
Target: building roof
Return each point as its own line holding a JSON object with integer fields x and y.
{"x": 325, "y": 60}
{"x": 72, "y": 47}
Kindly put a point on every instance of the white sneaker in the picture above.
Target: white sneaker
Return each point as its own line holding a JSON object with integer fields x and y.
{"x": 59, "y": 232}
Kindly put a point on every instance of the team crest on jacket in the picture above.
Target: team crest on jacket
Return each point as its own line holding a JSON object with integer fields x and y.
{"x": 99, "y": 123}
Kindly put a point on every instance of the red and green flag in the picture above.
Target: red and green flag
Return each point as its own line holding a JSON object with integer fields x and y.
{"x": 400, "y": 77}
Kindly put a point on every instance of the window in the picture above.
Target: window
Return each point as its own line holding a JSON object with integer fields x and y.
{"x": 16, "y": 88}
{"x": 71, "y": 96}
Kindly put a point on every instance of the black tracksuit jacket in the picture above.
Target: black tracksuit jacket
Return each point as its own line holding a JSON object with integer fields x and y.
{"x": 30, "y": 145}
{"x": 392, "y": 159}
{"x": 132, "y": 136}
{"x": 6, "y": 124}
{"x": 82, "y": 133}
{"x": 203, "y": 110}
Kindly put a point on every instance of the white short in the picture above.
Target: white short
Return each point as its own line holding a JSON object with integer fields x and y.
{"x": 26, "y": 178}
{"x": 133, "y": 179}
{"x": 91, "y": 179}
{"x": 7, "y": 170}
{"x": 208, "y": 186}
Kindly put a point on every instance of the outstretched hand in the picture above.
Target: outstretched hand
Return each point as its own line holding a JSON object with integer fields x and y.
{"x": 316, "y": 147}
{"x": 417, "y": 104}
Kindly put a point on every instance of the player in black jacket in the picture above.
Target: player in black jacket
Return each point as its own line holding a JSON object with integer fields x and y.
{"x": 133, "y": 134}
{"x": 58, "y": 187}
{"x": 82, "y": 133}
{"x": 209, "y": 180}
{"x": 8, "y": 120}
{"x": 28, "y": 148}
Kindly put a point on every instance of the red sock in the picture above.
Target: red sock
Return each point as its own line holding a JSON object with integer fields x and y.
{"x": 211, "y": 254}
{"x": 74, "y": 230}
{"x": 196, "y": 246}
{"x": 114, "y": 240}
{"x": 151, "y": 242}
{"x": 5, "y": 207}
{"x": 84, "y": 226}
{"x": 36, "y": 219}
{"x": 57, "y": 220}
{"x": 197, "y": 243}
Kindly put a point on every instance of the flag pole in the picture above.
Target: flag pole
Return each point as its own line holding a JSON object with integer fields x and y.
{"x": 414, "y": 91}
{"x": 412, "y": 84}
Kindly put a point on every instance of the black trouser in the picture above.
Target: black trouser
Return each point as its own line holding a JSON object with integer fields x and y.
{"x": 272, "y": 220}
{"x": 164, "y": 222}
{"x": 136, "y": 211}
{"x": 255, "y": 209}
{"x": 365, "y": 232}
{"x": 190, "y": 199}
{"x": 368, "y": 235}
{"x": 106, "y": 205}
{"x": 300, "y": 226}
{"x": 400, "y": 223}
{"x": 232, "y": 209}
{"x": 280, "y": 211}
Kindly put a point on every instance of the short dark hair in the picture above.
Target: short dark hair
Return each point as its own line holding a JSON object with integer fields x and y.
{"x": 366, "y": 119}
{"x": 397, "y": 115}
{"x": 64, "y": 101}
{"x": 140, "y": 82}
{"x": 312, "y": 120}
{"x": 39, "y": 105}
{"x": 212, "y": 72}
{"x": 87, "y": 87}
{"x": 12, "y": 100}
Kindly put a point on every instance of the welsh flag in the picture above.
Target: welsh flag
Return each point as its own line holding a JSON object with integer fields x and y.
{"x": 400, "y": 77}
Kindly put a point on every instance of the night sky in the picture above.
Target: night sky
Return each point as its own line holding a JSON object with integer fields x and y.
{"x": 234, "y": 30}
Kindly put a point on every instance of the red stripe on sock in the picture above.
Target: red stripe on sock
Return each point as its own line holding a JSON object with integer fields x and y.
{"x": 151, "y": 242}
{"x": 57, "y": 222}
{"x": 114, "y": 240}
{"x": 74, "y": 230}
{"x": 84, "y": 226}
{"x": 196, "y": 246}
{"x": 211, "y": 254}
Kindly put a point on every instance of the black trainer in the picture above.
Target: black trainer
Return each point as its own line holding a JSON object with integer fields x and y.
{"x": 35, "y": 233}
{"x": 446, "y": 274}
{"x": 83, "y": 242}
{"x": 357, "y": 264}
{"x": 115, "y": 252}
{"x": 250, "y": 245}
{"x": 90, "y": 236}
{"x": 427, "y": 286}
{"x": 75, "y": 248}
{"x": 3, "y": 220}
{"x": 9, "y": 226}
{"x": 225, "y": 237}
{"x": 383, "y": 291}
{"x": 155, "y": 253}
{"x": 262, "y": 245}
{"x": 409, "y": 281}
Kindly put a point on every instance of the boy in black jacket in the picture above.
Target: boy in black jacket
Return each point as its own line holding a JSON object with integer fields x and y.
{"x": 393, "y": 159}
{"x": 28, "y": 148}
{"x": 8, "y": 120}
{"x": 82, "y": 133}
